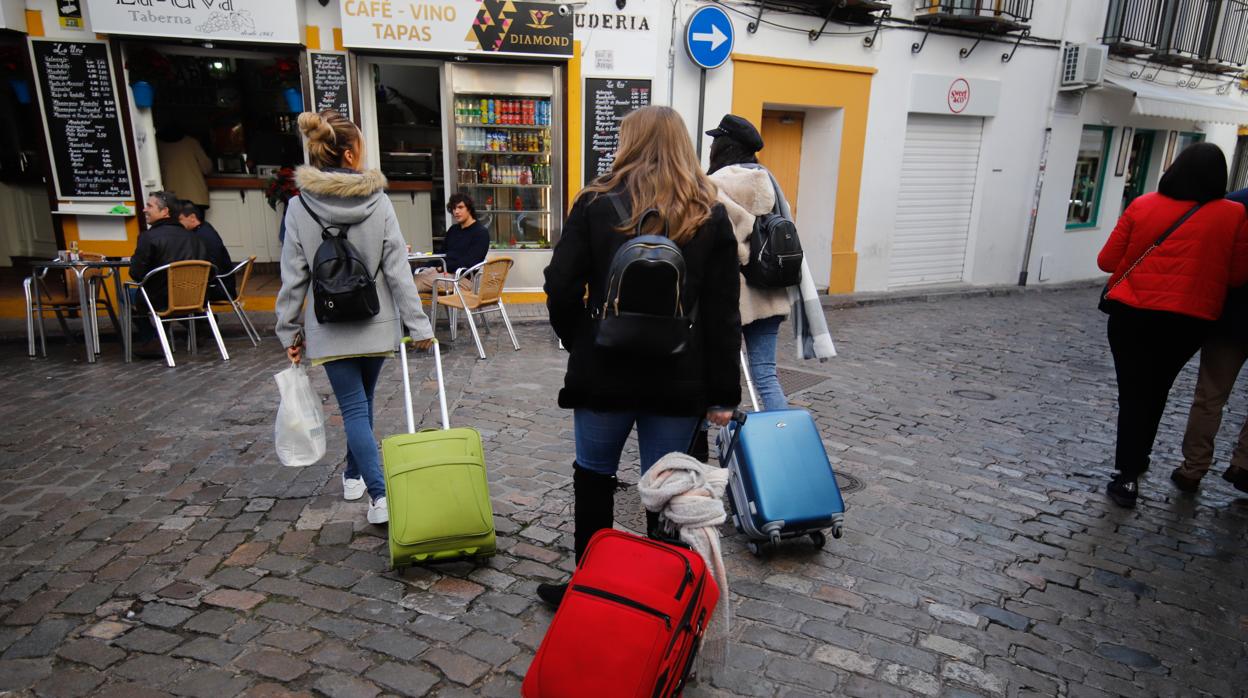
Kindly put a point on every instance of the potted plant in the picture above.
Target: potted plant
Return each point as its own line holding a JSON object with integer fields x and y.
{"x": 145, "y": 66}
{"x": 281, "y": 188}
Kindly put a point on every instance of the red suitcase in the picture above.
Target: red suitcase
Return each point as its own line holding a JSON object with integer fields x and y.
{"x": 629, "y": 625}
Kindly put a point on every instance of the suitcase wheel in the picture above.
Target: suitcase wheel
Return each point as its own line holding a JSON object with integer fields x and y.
{"x": 837, "y": 530}
{"x": 756, "y": 548}
{"x": 821, "y": 540}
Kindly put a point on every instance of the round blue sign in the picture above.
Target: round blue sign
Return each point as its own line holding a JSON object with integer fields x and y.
{"x": 709, "y": 36}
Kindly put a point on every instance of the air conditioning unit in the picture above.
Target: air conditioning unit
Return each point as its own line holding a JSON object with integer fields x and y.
{"x": 1083, "y": 65}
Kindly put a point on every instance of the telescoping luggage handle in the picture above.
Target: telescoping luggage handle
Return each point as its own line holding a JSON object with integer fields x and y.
{"x": 749, "y": 380}
{"x": 407, "y": 385}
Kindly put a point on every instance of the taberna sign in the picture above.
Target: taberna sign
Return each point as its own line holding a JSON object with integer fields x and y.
{"x": 265, "y": 21}
{"x": 458, "y": 26}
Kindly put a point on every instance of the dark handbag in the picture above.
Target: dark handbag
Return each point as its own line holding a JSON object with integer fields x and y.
{"x": 1106, "y": 304}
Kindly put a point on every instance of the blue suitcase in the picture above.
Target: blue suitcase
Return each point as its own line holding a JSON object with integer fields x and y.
{"x": 782, "y": 485}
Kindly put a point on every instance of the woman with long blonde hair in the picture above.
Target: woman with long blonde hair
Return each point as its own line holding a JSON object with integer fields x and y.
{"x": 609, "y": 390}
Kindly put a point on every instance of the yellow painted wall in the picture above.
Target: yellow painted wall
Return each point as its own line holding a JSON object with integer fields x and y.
{"x": 759, "y": 81}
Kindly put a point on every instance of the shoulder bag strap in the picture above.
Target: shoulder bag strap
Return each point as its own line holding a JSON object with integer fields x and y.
{"x": 1156, "y": 243}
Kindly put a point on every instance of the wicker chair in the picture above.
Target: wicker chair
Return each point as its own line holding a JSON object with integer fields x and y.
{"x": 237, "y": 301}
{"x": 188, "y": 291}
{"x": 491, "y": 276}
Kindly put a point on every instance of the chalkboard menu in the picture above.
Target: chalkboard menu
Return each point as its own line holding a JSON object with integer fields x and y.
{"x": 606, "y": 102}
{"x": 82, "y": 121}
{"x": 330, "y": 87}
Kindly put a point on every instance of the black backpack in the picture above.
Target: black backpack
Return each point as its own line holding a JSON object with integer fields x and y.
{"x": 342, "y": 288}
{"x": 775, "y": 251}
{"x": 643, "y": 309}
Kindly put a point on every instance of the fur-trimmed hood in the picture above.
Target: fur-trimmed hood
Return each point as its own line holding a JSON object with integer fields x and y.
{"x": 340, "y": 196}
{"x": 747, "y": 189}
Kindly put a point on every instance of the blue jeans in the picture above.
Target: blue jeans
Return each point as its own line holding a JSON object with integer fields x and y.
{"x": 760, "y": 351}
{"x": 600, "y": 437}
{"x": 353, "y": 381}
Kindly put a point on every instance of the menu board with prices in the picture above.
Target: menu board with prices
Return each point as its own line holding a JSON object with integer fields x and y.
{"x": 82, "y": 121}
{"x": 331, "y": 89}
{"x": 607, "y": 101}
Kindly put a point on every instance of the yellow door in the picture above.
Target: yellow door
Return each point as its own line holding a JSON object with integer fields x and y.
{"x": 782, "y": 150}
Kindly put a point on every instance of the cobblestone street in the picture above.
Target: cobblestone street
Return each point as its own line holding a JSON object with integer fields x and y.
{"x": 151, "y": 544}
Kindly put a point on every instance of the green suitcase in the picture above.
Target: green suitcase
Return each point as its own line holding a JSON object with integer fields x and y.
{"x": 436, "y": 488}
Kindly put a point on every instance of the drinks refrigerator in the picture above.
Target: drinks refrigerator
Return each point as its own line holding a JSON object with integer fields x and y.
{"x": 506, "y": 149}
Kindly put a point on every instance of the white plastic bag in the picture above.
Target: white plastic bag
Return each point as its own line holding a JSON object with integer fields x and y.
{"x": 299, "y": 433}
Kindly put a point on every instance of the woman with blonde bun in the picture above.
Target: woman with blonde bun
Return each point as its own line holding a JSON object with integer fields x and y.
{"x": 337, "y": 190}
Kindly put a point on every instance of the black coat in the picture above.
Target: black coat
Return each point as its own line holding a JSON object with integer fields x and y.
{"x": 163, "y": 243}
{"x": 219, "y": 256}
{"x": 706, "y": 375}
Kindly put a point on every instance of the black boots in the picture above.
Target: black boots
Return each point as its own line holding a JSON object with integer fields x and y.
{"x": 593, "y": 510}
{"x": 1237, "y": 477}
{"x": 1123, "y": 490}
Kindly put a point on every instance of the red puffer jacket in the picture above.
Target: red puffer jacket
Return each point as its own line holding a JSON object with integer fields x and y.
{"x": 1191, "y": 271}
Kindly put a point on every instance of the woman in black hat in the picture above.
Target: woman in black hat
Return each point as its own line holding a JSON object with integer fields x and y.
{"x": 747, "y": 191}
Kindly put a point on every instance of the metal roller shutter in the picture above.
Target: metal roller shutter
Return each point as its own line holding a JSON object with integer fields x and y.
{"x": 938, "y": 171}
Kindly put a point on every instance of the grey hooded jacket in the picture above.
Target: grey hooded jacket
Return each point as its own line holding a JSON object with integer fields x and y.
{"x": 357, "y": 199}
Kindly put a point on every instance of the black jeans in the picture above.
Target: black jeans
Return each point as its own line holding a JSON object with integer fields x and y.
{"x": 1150, "y": 347}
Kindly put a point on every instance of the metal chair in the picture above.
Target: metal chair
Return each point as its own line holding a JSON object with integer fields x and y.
{"x": 188, "y": 300}
{"x": 237, "y": 301}
{"x": 41, "y": 298}
{"x": 491, "y": 276}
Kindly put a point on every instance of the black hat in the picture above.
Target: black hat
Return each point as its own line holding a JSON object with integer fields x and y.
{"x": 739, "y": 130}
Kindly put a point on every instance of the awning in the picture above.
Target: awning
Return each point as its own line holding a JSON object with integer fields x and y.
{"x": 1152, "y": 99}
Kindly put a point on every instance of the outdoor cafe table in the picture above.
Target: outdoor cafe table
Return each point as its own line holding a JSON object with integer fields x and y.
{"x": 89, "y": 319}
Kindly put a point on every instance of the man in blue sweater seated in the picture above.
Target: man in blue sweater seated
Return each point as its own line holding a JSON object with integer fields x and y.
{"x": 467, "y": 243}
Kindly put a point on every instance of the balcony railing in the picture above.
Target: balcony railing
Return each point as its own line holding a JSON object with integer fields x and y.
{"x": 1131, "y": 26}
{"x": 1186, "y": 31}
{"x": 999, "y": 16}
{"x": 1230, "y": 46}
{"x": 1209, "y": 35}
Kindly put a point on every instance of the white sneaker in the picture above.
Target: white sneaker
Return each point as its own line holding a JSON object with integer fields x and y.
{"x": 377, "y": 511}
{"x": 353, "y": 488}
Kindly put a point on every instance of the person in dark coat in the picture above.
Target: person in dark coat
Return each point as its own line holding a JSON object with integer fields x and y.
{"x": 610, "y": 391}
{"x": 1165, "y": 299}
{"x": 1221, "y": 358}
{"x": 165, "y": 241}
{"x": 466, "y": 244}
{"x": 192, "y": 218}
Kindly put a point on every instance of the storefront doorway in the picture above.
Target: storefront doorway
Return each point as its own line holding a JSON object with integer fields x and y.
{"x": 1137, "y": 166}
{"x": 401, "y": 111}
{"x": 26, "y": 228}
{"x": 222, "y": 124}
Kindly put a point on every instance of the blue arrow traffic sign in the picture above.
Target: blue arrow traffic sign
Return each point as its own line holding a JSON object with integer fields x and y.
{"x": 709, "y": 36}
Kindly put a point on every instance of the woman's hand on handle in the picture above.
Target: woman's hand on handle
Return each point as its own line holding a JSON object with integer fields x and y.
{"x": 295, "y": 353}
{"x": 718, "y": 416}
{"x": 422, "y": 344}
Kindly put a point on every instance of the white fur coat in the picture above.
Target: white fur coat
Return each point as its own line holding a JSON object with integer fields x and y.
{"x": 748, "y": 194}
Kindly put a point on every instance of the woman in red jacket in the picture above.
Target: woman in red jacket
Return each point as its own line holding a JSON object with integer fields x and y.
{"x": 1166, "y": 298}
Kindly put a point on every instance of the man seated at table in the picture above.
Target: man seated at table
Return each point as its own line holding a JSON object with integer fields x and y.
{"x": 467, "y": 242}
{"x": 191, "y": 216}
{"x": 165, "y": 241}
